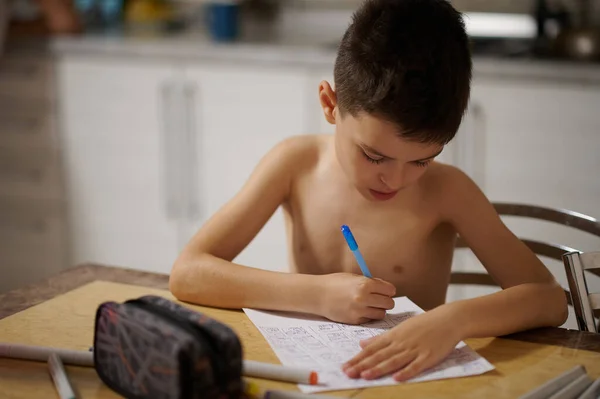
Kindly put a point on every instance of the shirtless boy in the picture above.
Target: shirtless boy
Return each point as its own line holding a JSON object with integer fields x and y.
{"x": 402, "y": 83}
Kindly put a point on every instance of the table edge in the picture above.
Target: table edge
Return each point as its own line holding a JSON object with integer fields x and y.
{"x": 22, "y": 298}
{"x": 69, "y": 279}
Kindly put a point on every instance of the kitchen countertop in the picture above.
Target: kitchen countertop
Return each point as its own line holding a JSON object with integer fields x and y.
{"x": 299, "y": 53}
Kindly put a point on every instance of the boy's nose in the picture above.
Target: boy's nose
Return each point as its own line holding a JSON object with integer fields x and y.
{"x": 393, "y": 181}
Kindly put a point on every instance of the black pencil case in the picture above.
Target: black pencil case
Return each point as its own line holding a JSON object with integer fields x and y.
{"x": 153, "y": 348}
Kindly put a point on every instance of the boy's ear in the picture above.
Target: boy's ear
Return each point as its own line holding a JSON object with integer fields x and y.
{"x": 328, "y": 100}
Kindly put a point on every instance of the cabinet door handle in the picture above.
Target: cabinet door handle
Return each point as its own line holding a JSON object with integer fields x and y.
{"x": 190, "y": 149}
{"x": 478, "y": 134}
{"x": 169, "y": 171}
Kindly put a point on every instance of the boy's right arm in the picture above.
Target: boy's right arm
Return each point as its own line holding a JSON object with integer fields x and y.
{"x": 204, "y": 273}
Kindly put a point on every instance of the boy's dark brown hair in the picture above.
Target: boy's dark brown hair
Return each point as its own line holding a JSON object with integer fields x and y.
{"x": 409, "y": 63}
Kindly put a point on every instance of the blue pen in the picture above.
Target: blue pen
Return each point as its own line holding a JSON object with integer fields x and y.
{"x": 354, "y": 248}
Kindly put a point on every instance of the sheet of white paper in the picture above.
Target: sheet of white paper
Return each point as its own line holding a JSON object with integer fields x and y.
{"x": 322, "y": 345}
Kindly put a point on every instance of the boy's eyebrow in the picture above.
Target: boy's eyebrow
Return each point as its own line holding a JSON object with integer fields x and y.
{"x": 375, "y": 152}
{"x": 430, "y": 157}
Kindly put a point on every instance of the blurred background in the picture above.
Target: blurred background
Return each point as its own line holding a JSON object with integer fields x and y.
{"x": 125, "y": 124}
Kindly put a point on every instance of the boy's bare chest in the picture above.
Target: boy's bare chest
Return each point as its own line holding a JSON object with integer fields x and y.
{"x": 396, "y": 242}
{"x": 409, "y": 249}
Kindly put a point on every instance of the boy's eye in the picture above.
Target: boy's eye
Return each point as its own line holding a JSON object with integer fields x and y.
{"x": 372, "y": 159}
{"x": 422, "y": 164}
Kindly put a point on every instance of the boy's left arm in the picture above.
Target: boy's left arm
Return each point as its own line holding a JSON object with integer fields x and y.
{"x": 530, "y": 295}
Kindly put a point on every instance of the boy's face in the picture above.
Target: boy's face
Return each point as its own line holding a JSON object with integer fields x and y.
{"x": 374, "y": 158}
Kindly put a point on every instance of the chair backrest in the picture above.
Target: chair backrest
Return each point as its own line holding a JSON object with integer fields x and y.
{"x": 564, "y": 217}
{"x": 584, "y": 301}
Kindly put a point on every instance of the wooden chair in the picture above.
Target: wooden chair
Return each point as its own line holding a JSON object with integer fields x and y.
{"x": 584, "y": 302}
{"x": 568, "y": 218}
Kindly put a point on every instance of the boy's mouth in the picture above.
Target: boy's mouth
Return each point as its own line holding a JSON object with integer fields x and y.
{"x": 383, "y": 196}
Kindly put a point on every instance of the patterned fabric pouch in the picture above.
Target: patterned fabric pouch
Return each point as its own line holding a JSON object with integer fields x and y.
{"x": 151, "y": 347}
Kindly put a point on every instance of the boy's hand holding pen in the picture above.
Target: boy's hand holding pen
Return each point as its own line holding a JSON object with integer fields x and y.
{"x": 354, "y": 299}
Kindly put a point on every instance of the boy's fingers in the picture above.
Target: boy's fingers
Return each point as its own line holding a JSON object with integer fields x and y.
{"x": 390, "y": 365}
{"x": 380, "y": 301}
{"x": 411, "y": 370}
{"x": 374, "y": 313}
{"x": 382, "y": 287}
{"x": 368, "y": 362}
{"x": 366, "y": 342}
{"x": 375, "y": 345}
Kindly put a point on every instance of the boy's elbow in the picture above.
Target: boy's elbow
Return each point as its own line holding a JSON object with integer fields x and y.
{"x": 179, "y": 281}
{"x": 175, "y": 282}
{"x": 186, "y": 281}
{"x": 560, "y": 310}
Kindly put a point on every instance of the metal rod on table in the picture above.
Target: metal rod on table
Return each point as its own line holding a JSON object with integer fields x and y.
{"x": 554, "y": 385}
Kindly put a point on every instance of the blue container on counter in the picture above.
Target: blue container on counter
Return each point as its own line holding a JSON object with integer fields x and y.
{"x": 223, "y": 20}
{"x": 100, "y": 13}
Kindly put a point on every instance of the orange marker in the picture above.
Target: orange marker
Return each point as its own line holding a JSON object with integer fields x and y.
{"x": 271, "y": 371}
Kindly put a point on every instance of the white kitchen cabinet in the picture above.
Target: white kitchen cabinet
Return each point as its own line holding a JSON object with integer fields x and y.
{"x": 116, "y": 131}
{"x": 541, "y": 147}
{"x": 240, "y": 113}
{"x": 542, "y": 139}
{"x": 538, "y": 144}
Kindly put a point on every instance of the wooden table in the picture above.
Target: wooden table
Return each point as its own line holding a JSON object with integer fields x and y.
{"x": 59, "y": 313}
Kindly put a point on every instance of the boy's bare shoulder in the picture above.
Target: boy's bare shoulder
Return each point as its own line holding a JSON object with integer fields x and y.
{"x": 300, "y": 153}
{"x": 449, "y": 187}
{"x": 445, "y": 174}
